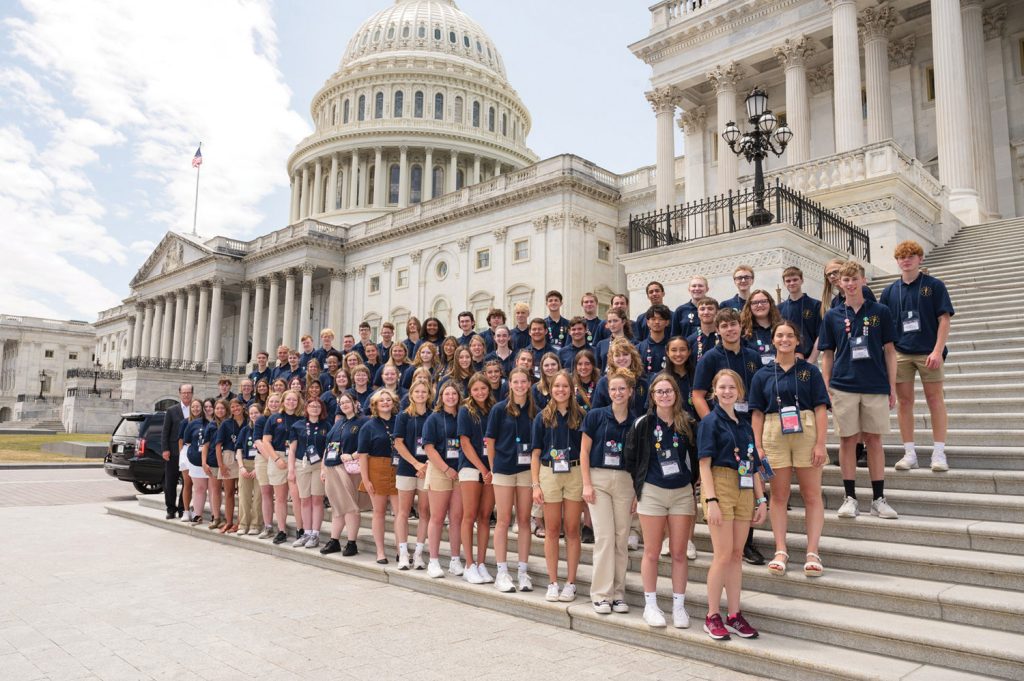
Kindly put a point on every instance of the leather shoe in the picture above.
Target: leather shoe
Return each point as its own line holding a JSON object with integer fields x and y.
{"x": 752, "y": 556}
{"x": 171, "y": 515}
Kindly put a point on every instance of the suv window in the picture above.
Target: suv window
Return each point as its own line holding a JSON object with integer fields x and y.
{"x": 129, "y": 427}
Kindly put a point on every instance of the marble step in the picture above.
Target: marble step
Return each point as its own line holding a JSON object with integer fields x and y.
{"x": 954, "y": 481}
{"x": 984, "y": 344}
{"x": 992, "y": 507}
{"x": 997, "y": 459}
{"x": 970, "y": 437}
{"x": 983, "y": 405}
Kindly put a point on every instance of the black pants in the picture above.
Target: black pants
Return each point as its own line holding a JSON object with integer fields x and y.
{"x": 171, "y": 497}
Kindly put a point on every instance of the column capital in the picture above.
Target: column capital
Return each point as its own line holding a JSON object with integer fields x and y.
{"x": 204, "y": 285}
{"x": 821, "y": 78}
{"x": 150, "y": 303}
{"x": 901, "y": 52}
{"x": 289, "y": 274}
{"x": 500, "y": 234}
{"x": 429, "y": 151}
{"x": 971, "y": 3}
{"x": 876, "y": 22}
{"x": 463, "y": 244}
{"x": 359, "y": 270}
{"x": 416, "y": 255}
{"x": 794, "y": 52}
{"x": 404, "y": 149}
{"x": 378, "y": 149}
{"x": 308, "y": 269}
{"x": 386, "y": 264}
{"x": 725, "y": 77}
{"x": 541, "y": 224}
{"x": 338, "y": 274}
{"x": 833, "y": 4}
{"x": 216, "y": 282}
{"x": 692, "y": 120}
{"x": 271, "y": 278}
{"x": 258, "y": 282}
{"x": 994, "y": 22}
{"x": 663, "y": 99}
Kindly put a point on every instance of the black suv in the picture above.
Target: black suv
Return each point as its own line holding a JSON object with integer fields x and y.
{"x": 134, "y": 455}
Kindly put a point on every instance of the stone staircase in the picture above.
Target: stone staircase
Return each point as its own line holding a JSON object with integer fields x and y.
{"x": 937, "y": 594}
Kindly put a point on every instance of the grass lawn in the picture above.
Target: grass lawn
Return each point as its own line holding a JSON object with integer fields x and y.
{"x": 16, "y": 448}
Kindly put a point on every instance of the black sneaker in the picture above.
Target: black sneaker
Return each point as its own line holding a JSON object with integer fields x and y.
{"x": 280, "y": 538}
{"x": 587, "y": 535}
{"x": 350, "y": 549}
{"x": 332, "y": 546}
{"x": 752, "y": 556}
{"x": 299, "y": 532}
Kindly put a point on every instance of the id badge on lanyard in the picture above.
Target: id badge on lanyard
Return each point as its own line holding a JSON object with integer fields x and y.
{"x": 911, "y": 321}
{"x": 420, "y": 452}
{"x": 613, "y": 454}
{"x": 859, "y": 349}
{"x": 560, "y": 460}
{"x": 333, "y": 452}
{"x": 523, "y": 453}
{"x": 745, "y": 468}
{"x": 741, "y": 407}
{"x": 452, "y": 452}
{"x": 311, "y": 454}
{"x": 789, "y": 417}
{"x": 394, "y": 457}
{"x": 670, "y": 467}
{"x": 251, "y": 453}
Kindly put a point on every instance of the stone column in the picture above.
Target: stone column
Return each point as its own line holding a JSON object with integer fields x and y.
{"x": 476, "y": 168}
{"x": 179, "y": 323}
{"x": 294, "y": 215}
{"x": 242, "y": 346}
{"x": 166, "y": 328}
{"x": 353, "y": 192}
{"x": 304, "y": 194}
{"x": 403, "y": 177}
{"x": 876, "y": 24}
{"x": 428, "y": 176}
{"x": 846, "y": 69}
{"x": 663, "y": 101}
{"x": 453, "y": 170}
{"x": 155, "y": 328}
{"x": 952, "y": 111}
{"x": 189, "y": 341}
{"x": 364, "y": 185}
{"x": 380, "y": 178}
{"x": 216, "y": 317}
{"x": 901, "y": 88}
{"x": 318, "y": 188}
{"x": 133, "y": 334}
{"x": 332, "y": 186}
{"x": 288, "y": 334}
{"x": 692, "y": 125}
{"x": 497, "y": 168}
{"x": 272, "y": 330}
{"x": 724, "y": 78}
{"x": 199, "y": 351}
{"x": 793, "y": 55}
{"x": 980, "y": 107}
{"x": 305, "y": 299}
{"x": 334, "y": 303}
{"x": 994, "y": 22}
{"x": 257, "y": 321}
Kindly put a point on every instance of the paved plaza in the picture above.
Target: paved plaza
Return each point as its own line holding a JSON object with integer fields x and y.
{"x": 90, "y": 596}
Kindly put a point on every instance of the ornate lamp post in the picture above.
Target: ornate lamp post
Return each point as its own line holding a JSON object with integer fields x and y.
{"x": 755, "y": 145}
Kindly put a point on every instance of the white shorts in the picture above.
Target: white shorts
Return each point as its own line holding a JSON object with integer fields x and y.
{"x": 410, "y": 483}
{"x": 470, "y": 474}
{"x": 183, "y": 464}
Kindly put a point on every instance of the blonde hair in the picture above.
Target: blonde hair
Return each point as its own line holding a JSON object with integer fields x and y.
{"x": 411, "y": 409}
{"x": 475, "y": 410}
{"x": 375, "y": 399}
{"x": 511, "y": 408}
{"x": 740, "y": 389}
{"x": 574, "y": 413}
{"x": 623, "y": 346}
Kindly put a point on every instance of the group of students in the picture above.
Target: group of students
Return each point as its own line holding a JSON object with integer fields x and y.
{"x": 587, "y": 423}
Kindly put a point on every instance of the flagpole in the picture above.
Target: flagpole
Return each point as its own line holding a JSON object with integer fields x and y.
{"x": 195, "y": 209}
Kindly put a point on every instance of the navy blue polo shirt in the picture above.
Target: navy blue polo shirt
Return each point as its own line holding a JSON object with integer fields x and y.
{"x": 802, "y": 386}
{"x": 867, "y": 376}
{"x": 560, "y": 437}
{"x": 257, "y": 428}
{"x": 362, "y": 398}
{"x": 468, "y": 426}
{"x": 925, "y": 298}
{"x": 607, "y": 435}
{"x": 538, "y": 354}
{"x": 277, "y": 428}
{"x": 286, "y": 373}
{"x": 736, "y": 303}
{"x": 304, "y": 358}
{"x": 601, "y": 352}
{"x": 685, "y": 320}
{"x": 320, "y": 354}
{"x": 701, "y": 343}
{"x": 805, "y": 312}
{"x": 209, "y": 438}
{"x": 257, "y": 376}
{"x": 652, "y": 354}
{"x": 488, "y": 336}
{"x": 325, "y": 381}
{"x": 506, "y": 364}
{"x": 193, "y": 437}
{"x": 346, "y": 433}
{"x": 585, "y": 394}
{"x": 558, "y": 332}
{"x": 411, "y": 346}
{"x": 310, "y": 437}
{"x": 540, "y": 400}
{"x": 358, "y": 347}
{"x": 375, "y": 437}
{"x": 638, "y": 403}
{"x": 761, "y": 343}
{"x": 384, "y": 352}
{"x": 640, "y": 327}
{"x": 520, "y": 337}
{"x": 745, "y": 363}
{"x": 501, "y": 392}
{"x": 227, "y": 435}
{"x": 685, "y": 384}
{"x": 330, "y": 406}
{"x": 840, "y": 298}
{"x": 442, "y": 432}
{"x": 465, "y": 338}
{"x": 510, "y": 435}
{"x": 595, "y": 331}
{"x": 245, "y": 442}
{"x": 718, "y": 438}
{"x": 668, "y": 445}
{"x": 567, "y": 355}
{"x": 409, "y": 429}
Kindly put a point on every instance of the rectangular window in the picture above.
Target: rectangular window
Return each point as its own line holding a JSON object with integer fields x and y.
{"x": 929, "y": 84}
{"x": 520, "y": 250}
{"x": 72, "y": 355}
{"x": 48, "y": 354}
{"x": 604, "y": 251}
{"x": 402, "y": 278}
{"x": 483, "y": 259}
{"x": 375, "y": 284}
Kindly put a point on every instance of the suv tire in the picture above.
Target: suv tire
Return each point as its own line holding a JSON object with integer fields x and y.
{"x": 148, "y": 487}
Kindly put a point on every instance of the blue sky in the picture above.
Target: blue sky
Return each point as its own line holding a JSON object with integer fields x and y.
{"x": 102, "y": 103}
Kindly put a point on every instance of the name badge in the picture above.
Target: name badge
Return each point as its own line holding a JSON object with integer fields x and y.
{"x": 911, "y": 322}
{"x": 765, "y": 470}
{"x": 251, "y": 453}
{"x": 394, "y": 458}
{"x": 421, "y": 453}
{"x": 536, "y": 372}
{"x": 333, "y": 452}
{"x": 669, "y": 467}
{"x": 789, "y": 417}
{"x": 741, "y": 407}
{"x": 560, "y": 460}
{"x": 524, "y": 455}
{"x": 613, "y": 454}
{"x": 452, "y": 453}
{"x": 311, "y": 454}
{"x": 746, "y": 482}
{"x": 767, "y": 359}
{"x": 859, "y": 349}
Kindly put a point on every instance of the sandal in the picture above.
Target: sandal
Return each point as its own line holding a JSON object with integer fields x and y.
{"x": 813, "y": 568}
{"x": 778, "y": 567}
{"x": 539, "y": 533}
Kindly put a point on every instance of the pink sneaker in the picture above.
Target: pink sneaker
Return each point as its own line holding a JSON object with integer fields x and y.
{"x": 714, "y": 627}
{"x": 739, "y": 626}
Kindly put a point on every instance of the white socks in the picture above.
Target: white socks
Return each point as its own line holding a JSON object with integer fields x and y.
{"x": 502, "y": 567}
{"x": 939, "y": 448}
{"x": 651, "y": 598}
{"x": 678, "y": 600}
{"x": 523, "y": 567}
{"x": 908, "y": 449}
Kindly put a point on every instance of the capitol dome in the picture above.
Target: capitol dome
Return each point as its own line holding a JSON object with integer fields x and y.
{"x": 419, "y": 106}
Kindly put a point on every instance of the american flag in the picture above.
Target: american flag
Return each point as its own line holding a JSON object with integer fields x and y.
{"x": 197, "y": 160}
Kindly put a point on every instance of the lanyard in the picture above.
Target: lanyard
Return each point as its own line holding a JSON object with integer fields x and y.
{"x": 658, "y": 434}
{"x": 796, "y": 386}
{"x": 743, "y": 365}
{"x": 312, "y": 434}
{"x": 735, "y": 445}
{"x": 905, "y": 287}
{"x": 387, "y": 429}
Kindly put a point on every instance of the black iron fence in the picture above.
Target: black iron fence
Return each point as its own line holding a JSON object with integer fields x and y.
{"x": 91, "y": 373}
{"x": 163, "y": 364}
{"x": 730, "y": 212}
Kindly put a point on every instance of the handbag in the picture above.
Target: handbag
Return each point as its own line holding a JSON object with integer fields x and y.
{"x": 352, "y": 466}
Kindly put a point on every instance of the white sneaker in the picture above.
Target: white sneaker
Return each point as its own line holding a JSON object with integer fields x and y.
{"x": 568, "y": 594}
{"x": 664, "y": 548}
{"x": 417, "y": 560}
{"x": 691, "y": 550}
{"x": 471, "y": 575}
{"x": 882, "y": 509}
{"x": 481, "y": 570}
{"x": 849, "y": 509}
{"x": 552, "y": 594}
{"x": 312, "y": 541}
{"x": 403, "y": 559}
{"x": 939, "y": 464}
{"x": 603, "y": 608}
{"x": 301, "y": 541}
{"x": 503, "y": 582}
{"x": 525, "y": 583}
{"x": 653, "y": 616}
{"x": 620, "y": 606}
{"x": 455, "y": 567}
{"x": 633, "y": 543}
{"x": 435, "y": 570}
{"x": 680, "y": 619}
{"x": 906, "y": 463}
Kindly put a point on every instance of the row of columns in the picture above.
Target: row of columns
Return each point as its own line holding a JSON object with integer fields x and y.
{"x": 175, "y": 326}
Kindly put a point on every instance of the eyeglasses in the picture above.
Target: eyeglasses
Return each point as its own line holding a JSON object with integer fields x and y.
{"x": 832, "y": 274}
{"x": 664, "y": 392}
{"x": 743, "y": 277}
{"x": 758, "y": 303}
{"x": 618, "y": 389}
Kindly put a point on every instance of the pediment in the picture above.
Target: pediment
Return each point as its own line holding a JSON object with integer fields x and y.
{"x": 172, "y": 253}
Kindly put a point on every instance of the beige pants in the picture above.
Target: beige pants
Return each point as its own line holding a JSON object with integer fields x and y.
{"x": 342, "y": 490}
{"x": 610, "y": 513}
{"x": 249, "y": 507}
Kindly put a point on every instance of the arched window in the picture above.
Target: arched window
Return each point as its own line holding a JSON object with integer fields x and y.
{"x": 465, "y": 40}
{"x": 391, "y": 33}
{"x": 376, "y": 36}
{"x": 361, "y": 113}
{"x": 490, "y": 119}
{"x": 439, "y": 107}
{"x": 394, "y": 174}
{"x": 476, "y": 114}
{"x": 417, "y": 106}
{"x": 378, "y": 105}
{"x": 344, "y": 112}
{"x": 405, "y": 31}
{"x": 443, "y": 311}
{"x": 458, "y": 109}
{"x": 438, "y": 186}
{"x": 421, "y": 32}
{"x": 460, "y": 179}
{"x": 452, "y": 38}
{"x": 399, "y": 97}
{"x": 504, "y": 124}
{"x": 416, "y": 182}
{"x": 437, "y": 34}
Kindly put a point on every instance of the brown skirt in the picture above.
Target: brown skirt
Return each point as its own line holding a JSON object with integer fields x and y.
{"x": 382, "y": 476}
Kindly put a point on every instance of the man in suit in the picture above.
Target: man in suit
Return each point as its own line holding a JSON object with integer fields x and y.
{"x": 169, "y": 445}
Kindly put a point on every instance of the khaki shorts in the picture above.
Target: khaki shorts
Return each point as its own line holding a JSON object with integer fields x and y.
{"x": 733, "y": 502}
{"x": 658, "y": 501}
{"x": 261, "y": 470}
{"x": 518, "y": 480}
{"x": 854, "y": 413}
{"x": 795, "y": 450}
{"x": 470, "y": 474}
{"x": 559, "y": 487}
{"x": 438, "y": 481}
{"x": 277, "y": 476}
{"x": 906, "y": 365}
{"x": 229, "y": 471}
{"x": 410, "y": 483}
{"x": 307, "y": 478}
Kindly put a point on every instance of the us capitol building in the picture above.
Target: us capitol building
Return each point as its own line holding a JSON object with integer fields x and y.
{"x": 417, "y": 193}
